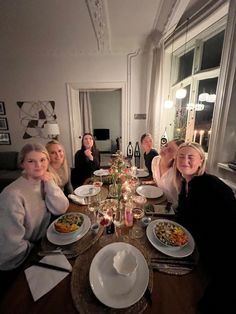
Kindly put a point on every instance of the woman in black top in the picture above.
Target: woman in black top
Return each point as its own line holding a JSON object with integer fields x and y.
{"x": 207, "y": 208}
{"x": 87, "y": 160}
{"x": 149, "y": 151}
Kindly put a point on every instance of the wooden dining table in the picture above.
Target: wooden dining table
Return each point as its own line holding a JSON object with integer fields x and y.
{"x": 178, "y": 294}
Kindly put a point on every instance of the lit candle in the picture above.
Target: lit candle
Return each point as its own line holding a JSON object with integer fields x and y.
{"x": 194, "y": 135}
{"x": 201, "y": 136}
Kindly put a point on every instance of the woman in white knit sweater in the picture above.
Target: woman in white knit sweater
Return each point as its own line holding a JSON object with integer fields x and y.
{"x": 162, "y": 170}
{"x": 26, "y": 206}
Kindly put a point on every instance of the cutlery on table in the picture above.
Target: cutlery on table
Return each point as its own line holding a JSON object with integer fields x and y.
{"x": 172, "y": 261}
{"x": 49, "y": 266}
{"x": 54, "y": 252}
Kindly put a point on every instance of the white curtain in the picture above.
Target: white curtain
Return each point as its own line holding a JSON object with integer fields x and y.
{"x": 85, "y": 112}
{"x": 155, "y": 97}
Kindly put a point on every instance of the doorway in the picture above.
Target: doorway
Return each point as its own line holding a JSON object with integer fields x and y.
{"x": 104, "y": 96}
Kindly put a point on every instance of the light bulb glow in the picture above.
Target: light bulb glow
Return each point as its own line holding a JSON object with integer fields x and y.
{"x": 199, "y": 107}
{"x": 181, "y": 93}
{"x": 168, "y": 104}
{"x": 203, "y": 97}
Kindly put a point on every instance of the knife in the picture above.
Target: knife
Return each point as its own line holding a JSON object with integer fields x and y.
{"x": 54, "y": 252}
{"x": 49, "y": 266}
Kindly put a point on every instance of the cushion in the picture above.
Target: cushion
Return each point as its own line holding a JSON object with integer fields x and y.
{"x": 8, "y": 160}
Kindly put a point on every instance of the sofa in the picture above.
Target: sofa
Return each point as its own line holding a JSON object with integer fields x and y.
{"x": 9, "y": 170}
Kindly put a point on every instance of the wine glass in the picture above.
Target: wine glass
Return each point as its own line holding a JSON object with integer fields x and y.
{"x": 93, "y": 207}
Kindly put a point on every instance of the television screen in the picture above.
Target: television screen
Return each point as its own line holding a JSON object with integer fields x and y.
{"x": 101, "y": 134}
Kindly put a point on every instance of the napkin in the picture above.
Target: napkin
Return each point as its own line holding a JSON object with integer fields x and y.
{"x": 42, "y": 280}
{"x": 77, "y": 199}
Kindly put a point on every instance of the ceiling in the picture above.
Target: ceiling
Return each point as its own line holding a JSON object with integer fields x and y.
{"x": 74, "y": 27}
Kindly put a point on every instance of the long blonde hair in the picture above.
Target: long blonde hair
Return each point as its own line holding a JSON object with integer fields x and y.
{"x": 62, "y": 176}
{"x": 201, "y": 169}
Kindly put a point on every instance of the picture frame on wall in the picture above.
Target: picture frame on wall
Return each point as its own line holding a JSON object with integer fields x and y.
{"x": 2, "y": 108}
{"x": 3, "y": 124}
{"x": 5, "y": 138}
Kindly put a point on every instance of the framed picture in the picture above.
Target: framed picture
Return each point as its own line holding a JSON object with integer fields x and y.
{"x": 2, "y": 108}
{"x": 3, "y": 124}
{"x": 5, "y": 139}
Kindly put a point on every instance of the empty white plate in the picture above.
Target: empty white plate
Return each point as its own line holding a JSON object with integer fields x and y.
{"x": 87, "y": 190}
{"x": 149, "y": 191}
{"x": 101, "y": 172}
{"x": 111, "y": 288}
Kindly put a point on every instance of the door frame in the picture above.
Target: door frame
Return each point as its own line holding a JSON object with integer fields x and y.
{"x": 73, "y": 90}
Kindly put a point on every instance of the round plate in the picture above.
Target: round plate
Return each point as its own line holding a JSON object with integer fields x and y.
{"x": 141, "y": 173}
{"x": 60, "y": 239}
{"x": 149, "y": 191}
{"x": 101, "y": 172}
{"x": 103, "y": 277}
{"x": 180, "y": 252}
{"x": 87, "y": 190}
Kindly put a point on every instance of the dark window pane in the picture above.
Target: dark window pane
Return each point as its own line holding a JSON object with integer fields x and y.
{"x": 212, "y": 50}
{"x": 185, "y": 65}
{"x": 203, "y": 118}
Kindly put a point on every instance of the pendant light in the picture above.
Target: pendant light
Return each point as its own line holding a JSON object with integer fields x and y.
{"x": 182, "y": 92}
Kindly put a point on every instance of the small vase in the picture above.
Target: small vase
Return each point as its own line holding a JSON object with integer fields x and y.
{"x": 118, "y": 217}
{"x": 113, "y": 190}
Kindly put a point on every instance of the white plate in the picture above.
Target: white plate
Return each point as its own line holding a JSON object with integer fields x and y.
{"x": 101, "y": 172}
{"x": 87, "y": 190}
{"x": 149, "y": 191}
{"x": 59, "y": 239}
{"x": 111, "y": 288}
{"x": 141, "y": 173}
{"x": 180, "y": 252}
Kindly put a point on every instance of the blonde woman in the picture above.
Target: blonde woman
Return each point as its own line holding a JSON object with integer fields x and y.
{"x": 163, "y": 172}
{"x": 59, "y": 166}
{"x": 207, "y": 208}
{"x": 26, "y": 206}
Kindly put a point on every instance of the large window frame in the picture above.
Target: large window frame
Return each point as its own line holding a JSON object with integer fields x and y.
{"x": 195, "y": 78}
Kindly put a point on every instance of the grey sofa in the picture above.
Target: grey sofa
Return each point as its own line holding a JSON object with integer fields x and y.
{"x": 9, "y": 170}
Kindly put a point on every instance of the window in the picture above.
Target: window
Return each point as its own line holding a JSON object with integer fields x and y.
{"x": 197, "y": 71}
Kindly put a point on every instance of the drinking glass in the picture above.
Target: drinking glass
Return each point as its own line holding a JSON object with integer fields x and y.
{"x": 93, "y": 207}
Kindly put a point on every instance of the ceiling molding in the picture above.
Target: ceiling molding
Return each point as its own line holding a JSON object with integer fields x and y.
{"x": 97, "y": 12}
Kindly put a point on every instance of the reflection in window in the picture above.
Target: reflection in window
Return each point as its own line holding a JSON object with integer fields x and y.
{"x": 212, "y": 50}
{"x": 185, "y": 65}
{"x": 203, "y": 118}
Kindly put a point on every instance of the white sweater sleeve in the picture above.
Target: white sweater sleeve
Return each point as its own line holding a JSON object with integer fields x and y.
{"x": 56, "y": 201}
{"x": 14, "y": 248}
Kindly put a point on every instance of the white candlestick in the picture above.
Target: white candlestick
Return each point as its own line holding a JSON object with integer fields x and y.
{"x": 201, "y": 136}
{"x": 194, "y": 135}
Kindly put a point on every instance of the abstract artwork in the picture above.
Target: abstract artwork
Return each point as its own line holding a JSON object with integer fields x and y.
{"x": 34, "y": 115}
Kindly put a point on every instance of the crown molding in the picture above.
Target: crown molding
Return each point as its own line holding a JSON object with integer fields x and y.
{"x": 98, "y": 16}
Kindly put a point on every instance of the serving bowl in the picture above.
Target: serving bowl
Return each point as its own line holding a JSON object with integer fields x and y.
{"x": 170, "y": 234}
{"x": 69, "y": 224}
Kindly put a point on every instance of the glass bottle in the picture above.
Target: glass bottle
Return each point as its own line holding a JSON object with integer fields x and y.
{"x": 128, "y": 215}
{"x": 137, "y": 155}
{"x": 130, "y": 150}
{"x": 164, "y": 139}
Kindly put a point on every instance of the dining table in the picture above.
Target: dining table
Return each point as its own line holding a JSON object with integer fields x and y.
{"x": 168, "y": 291}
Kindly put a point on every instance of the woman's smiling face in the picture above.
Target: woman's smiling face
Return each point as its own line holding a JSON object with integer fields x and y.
{"x": 188, "y": 161}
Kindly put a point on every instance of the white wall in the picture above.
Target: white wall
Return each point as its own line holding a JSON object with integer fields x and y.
{"x": 44, "y": 78}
